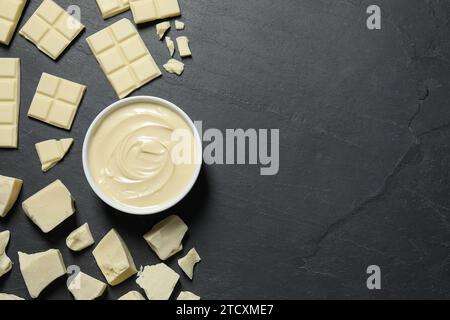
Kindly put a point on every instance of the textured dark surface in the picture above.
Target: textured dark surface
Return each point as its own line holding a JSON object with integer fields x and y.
{"x": 364, "y": 145}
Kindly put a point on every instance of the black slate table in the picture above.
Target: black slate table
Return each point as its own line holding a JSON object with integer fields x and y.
{"x": 364, "y": 149}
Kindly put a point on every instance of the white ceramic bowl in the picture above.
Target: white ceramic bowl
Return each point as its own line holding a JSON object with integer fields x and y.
{"x": 123, "y": 207}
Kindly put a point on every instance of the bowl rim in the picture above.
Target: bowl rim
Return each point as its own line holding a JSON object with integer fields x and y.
{"x": 118, "y": 205}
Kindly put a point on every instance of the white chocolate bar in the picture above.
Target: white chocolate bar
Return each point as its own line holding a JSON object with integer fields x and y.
{"x": 10, "y": 13}
{"x": 123, "y": 57}
{"x": 150, "y": 10}
{"x": 110, "y": 8}
{"x": 56, "y": 101}
{"x": 50, "y": 152}
{"x": 51, "y": 29}
{"x": 9, "y": 102}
